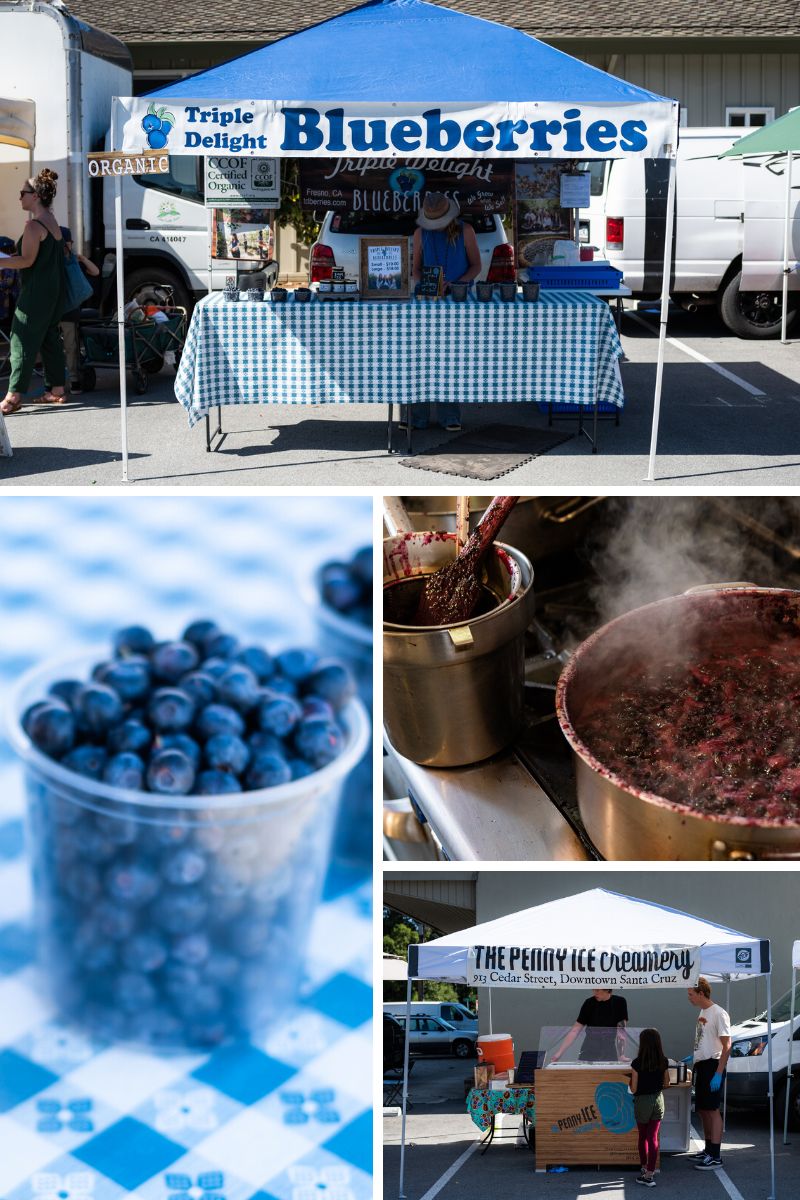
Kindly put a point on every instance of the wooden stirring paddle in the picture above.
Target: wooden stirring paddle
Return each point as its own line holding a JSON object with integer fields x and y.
{"x": 451, "y": 593}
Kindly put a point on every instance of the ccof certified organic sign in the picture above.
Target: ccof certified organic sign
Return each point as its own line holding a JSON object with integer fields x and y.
{"x": 234, "y": 182}
{"x": 107, "y": 163}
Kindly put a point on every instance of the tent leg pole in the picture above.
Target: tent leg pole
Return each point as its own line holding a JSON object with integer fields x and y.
{"x": 662, "y": 332}
{"x": 725, "y": 1091}
{"x": 771, "y": 1091}
{"x": 491, "y": 1027}
{"x": 409, "y": 985}
{"x": 786, "y": 239}
{"x": 120, "y": 322}
{"x": 789, "y": 1065}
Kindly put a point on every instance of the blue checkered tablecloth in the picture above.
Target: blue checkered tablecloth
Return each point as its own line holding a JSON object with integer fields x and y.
{"x": 288, "y": 1116}
{"x": 564, "y": 349}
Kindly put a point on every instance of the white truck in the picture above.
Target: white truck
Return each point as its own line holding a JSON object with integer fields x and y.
{"x": 747, "y": 1065}
{"x": 729, "y": 226}
{"x": 58, "y": 80}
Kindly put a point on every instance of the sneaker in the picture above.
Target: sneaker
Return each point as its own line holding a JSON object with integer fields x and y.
{"x": 646, "y": 1180}
{"x": 708, "y": 1164}
{"x": 699, "y": 1156}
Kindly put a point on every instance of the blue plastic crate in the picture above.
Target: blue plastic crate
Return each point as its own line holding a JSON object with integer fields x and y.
{"x": 581, "y": 275}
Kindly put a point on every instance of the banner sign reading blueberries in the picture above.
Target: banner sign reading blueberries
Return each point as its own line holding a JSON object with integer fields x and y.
{"x": 583, "y": 967}
{"x": 389, "y": 185}
{"x": 300, "y": 129}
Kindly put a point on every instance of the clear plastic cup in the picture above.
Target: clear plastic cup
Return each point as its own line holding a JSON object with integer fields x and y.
{"x": 174, "y": 921}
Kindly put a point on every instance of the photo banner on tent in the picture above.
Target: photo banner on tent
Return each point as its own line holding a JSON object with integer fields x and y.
{"x": 301, "y": 129}
{"x": 583, "y": 966}
{"x": 358, "y": 185}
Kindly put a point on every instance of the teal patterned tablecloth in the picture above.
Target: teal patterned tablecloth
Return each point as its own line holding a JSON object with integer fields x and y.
{"x": 483, "y": 1104}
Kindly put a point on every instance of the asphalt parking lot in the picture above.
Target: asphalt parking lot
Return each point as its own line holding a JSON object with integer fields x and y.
{"x": 735, "y": 423}
{"x": 441, "y": 1137}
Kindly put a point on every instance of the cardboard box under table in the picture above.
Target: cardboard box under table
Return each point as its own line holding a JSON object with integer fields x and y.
{"x": 584, "y": 1115}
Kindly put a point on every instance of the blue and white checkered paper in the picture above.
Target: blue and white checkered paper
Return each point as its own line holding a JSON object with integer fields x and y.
{"x": 289, "y": 1116}
{"x": 564, "y": 349}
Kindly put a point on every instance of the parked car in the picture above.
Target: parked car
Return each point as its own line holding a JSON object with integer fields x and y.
{"x": 393, "y": 1043}
{"x": 455, "y": 1014}
{"x": 729, "y": 227}
{"x": 747, "y": 1065}
{"x": 431, "y": 1036}
{"x": 339, "y": 241}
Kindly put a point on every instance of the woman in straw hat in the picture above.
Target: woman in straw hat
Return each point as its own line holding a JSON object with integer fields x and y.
{"x": 442, "y": 240}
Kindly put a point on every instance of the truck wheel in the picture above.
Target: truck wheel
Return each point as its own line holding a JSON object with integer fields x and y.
{"x": 152, "y": 285}
{"x": 753, "y": 314}
{"x": 794, "y": 1105}
{"x": 462, "y": 1049}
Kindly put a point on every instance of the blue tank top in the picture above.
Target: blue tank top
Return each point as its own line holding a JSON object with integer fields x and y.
{"x": 438, "y": 251}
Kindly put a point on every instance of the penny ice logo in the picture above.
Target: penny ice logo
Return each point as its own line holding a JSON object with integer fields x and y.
{"x": 157, "y": 124}
{"x": 612, "y": 1110}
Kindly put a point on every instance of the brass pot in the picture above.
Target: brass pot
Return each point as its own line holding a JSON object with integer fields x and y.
{"x": 623, "y": 821}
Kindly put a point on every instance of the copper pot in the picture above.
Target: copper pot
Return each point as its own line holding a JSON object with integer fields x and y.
{"x": 623, "y": 821}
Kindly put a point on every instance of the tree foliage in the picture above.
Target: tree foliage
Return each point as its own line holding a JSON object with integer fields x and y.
{"x": 400, "y": 932}
{"x": 290, "y": 211}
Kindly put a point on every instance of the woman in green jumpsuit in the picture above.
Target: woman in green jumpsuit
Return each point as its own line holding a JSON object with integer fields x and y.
{"x": 35, "y": 328}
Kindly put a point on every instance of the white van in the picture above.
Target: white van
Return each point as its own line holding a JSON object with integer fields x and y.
{"x": 457, "y": 1015}
{"x": 729, "y": 224}
{"x": 747, "y": 1065}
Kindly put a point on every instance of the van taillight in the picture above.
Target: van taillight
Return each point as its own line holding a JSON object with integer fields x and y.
{"x": 503, "y": 268}
{"x": 615, "y": 231}
{"x": 322, "y": 262}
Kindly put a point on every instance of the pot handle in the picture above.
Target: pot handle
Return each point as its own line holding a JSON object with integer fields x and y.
{"x": 567, "y": 510}
{"x": 461, "y": 636}
{"x": 395, "y": 516}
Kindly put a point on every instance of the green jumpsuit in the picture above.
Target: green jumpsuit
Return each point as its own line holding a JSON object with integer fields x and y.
{"x": 35, "y": 327}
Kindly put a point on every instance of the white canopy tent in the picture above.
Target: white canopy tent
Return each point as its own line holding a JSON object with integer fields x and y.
{"x": 795, "y": 969}
{"x": 565, "y": 944}
{"x": 499, "y": 94}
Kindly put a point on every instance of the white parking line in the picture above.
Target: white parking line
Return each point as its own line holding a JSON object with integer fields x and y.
{"x": 450, "y": 1172}
{"x": 722, "y": 1175}
{"x": 701, "y": 358}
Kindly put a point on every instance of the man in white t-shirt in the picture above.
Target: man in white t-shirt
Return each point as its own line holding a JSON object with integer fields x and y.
{"x": 712, "y": 1047}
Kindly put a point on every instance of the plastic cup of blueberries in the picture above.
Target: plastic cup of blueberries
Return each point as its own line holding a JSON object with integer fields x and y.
{"x": 177, "y": 922}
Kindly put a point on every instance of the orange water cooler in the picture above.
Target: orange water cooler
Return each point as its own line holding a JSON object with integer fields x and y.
{"x": 496, "y": 1048}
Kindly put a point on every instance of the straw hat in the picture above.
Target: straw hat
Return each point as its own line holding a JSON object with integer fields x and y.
{"x": 438, "y": 211}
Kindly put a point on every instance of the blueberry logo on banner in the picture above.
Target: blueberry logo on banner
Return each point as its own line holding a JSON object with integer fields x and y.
{"x": 744, "y": 956}
{"x": 157, "y": 124}
{"x": 615, "y": 1105}
{"x": 406, "y": 180}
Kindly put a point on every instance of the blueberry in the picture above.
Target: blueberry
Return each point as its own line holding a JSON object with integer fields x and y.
{"x": 180, "y": 911}
{"x": 192, "y": 950}
{"x": 122, "y": 831}
{"x": 258, "y": 660}
{"x": 50, "y": 725}
{"x": 131, "y": 736}
{"x": 201, "y": 1001}
{"x": 318, "y": 741}
{"x": 216, "y": 783}
{"x": 219, "y": 718}
{"x": 144, "y": 952}
{"x": 261, "y": 740}
{"x": 198, "y": 631}
{"x": 150, "y": 123}
{"x": 200, "y": 686}
{"x": 66, "y": 690}
{"x": 171, "y": 710}
{"x": 361, "y": 565}
{"x": 278, "y": 714}
{"x": 173, "y": 659}
{"x": 339, "y": 586}
{"x": 82, "y": 883}
{"x": 224, "y": 752}
{"x": 180, "y": 741}
{"x": 185, "y": 866}
{"x": 133, "y": 992}
{"x": 300, "y": 768}
{"x": 96, "y": 846}
{"x": 239, "y": 688}
{"x": 331, "y": 680}
{"x": 129, "y": 677}
{"x": 131, "y": 884}
{"x": 214, "y": 666}
{"x": 98, "y": 707}
{"x": 86, "y": 760}
{"x": 92, "y": 949}
{"x": 297, "y": 663}
{"x": 170, "y": 773}
{"x": 221, "y": 968}
{"x": 315, "y": 706}
{"x": 134, "y": 639}
{"x": 156, "y": 140}
{"x": 268, "y": 770}
{"x": 180, "y": 979}
{"x": 248, "y": 937}
{"x": 115, "y": 921}
{"x": 220, "y": 645}
{"x": 283, "y": 685}
{"x": 125, "y": 770}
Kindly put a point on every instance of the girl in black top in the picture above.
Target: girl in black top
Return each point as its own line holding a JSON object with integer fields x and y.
{"x": 649, "y": 1076}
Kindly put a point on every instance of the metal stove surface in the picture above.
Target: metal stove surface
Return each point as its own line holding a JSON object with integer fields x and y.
{"x": 522, "y": 805}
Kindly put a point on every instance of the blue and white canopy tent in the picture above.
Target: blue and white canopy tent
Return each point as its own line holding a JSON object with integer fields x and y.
{"x": 567, "y": 943}
{"x": 400, "y": 78}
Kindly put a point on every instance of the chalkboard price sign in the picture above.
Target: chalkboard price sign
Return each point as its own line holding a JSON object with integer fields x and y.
{"x": 431, "y": 282}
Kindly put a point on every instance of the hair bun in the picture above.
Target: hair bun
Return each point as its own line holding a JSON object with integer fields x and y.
{"x": 48, "y": 173}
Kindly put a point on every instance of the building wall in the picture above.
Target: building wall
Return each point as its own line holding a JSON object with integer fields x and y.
{"x": 764, "y": 905}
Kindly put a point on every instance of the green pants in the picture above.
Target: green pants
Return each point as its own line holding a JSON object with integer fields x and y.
{"x": 30, "y": 335}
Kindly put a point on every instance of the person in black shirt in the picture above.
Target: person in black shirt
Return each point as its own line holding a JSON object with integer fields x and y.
{"x": 601, "y": 1016}
{"x": 649, "y": 1077}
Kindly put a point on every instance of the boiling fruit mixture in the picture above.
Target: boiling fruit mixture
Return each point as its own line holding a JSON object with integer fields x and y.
{"x": 720, "y": 735}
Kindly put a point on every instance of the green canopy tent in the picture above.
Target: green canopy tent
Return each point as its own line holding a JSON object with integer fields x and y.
{"x": 774, "y": 140}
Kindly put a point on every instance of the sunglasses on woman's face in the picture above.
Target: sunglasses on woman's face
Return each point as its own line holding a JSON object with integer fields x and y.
{"x": 27, "y": 192}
